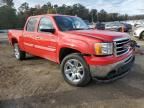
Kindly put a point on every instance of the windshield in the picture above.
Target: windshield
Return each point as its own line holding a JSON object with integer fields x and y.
{"x": 67, "y": 23}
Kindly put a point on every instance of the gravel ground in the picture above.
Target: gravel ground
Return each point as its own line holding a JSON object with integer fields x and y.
{"x": 38, "y": 83}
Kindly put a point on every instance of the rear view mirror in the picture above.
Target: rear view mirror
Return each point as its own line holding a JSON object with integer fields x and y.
{"x": 48, "y": 30}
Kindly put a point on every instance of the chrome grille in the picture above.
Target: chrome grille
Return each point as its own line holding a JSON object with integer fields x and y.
{"x": 122, "y": 46}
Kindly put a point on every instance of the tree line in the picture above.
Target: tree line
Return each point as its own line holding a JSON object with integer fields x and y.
{"x": 12, "y": 18}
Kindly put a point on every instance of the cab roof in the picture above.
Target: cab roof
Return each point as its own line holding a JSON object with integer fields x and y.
{"x": 50, "y": 15}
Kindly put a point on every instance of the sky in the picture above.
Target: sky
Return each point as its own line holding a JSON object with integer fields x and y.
{"x": 130, "y": 7}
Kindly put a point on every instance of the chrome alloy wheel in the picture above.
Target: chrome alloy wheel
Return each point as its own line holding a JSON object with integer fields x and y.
{"x": 16, "y": 52}
{"x": 74, "y": 70}
{"x": 142, "y": 35}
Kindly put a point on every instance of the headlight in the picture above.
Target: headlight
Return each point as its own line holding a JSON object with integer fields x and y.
{"x": 103, "y": 48}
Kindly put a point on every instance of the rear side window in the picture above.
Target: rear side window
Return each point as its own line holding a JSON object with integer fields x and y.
{"x": 31, "y": 25}
{"x": 45, "y": 23}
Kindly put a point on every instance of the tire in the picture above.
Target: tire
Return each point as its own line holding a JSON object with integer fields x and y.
{"x": 141, "y": 36}
{"x": 75, "y": 70}
{"x": 20, "y": 55}
{"x": 119, "y": 30}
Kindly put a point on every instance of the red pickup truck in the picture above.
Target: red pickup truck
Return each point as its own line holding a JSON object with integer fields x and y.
{"x": 83, "y": 53}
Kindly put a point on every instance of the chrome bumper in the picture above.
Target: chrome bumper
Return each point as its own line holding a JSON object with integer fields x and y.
{"x": 112, "y": 71}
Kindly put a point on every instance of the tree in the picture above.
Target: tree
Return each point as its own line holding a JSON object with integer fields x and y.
{"x": 8, "y": 18}
{"x": 55, "y": 7}
{"x": 24, "y": 7}
{"x": 93, "y": 15}
{"x": 23, "y": 14}
{"x": 80, "y": 10}
{"x": 50, "y": 9}
{"x": 102, "y": 15}
{"x": 62, "y": 9}
{"x": 9, "y": 3}
{"x": 44, "y": 9}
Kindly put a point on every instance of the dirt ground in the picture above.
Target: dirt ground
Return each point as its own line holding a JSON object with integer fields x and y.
{"x": 38, "y": 83}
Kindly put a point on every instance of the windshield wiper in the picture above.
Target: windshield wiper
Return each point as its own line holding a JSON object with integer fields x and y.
{"x": 80, "y": 29}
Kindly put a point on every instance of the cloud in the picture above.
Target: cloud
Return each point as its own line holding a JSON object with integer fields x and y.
{"x": 130, "y": 7}
{"x": 1, "y": 3}
{"x": 35, "y": 2}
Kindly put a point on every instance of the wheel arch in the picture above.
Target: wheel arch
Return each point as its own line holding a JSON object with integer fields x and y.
{"x": 66, "y": 51}
{"x": 13, "y": 41}
{"x": 140, "y": 35}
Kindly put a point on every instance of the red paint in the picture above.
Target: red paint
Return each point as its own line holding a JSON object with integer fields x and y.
{"x": 48, "y": 45}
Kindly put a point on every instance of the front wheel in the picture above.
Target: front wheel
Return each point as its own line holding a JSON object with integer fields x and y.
{"x": 75, "y": 70}
{"x": 20, "y": 55}
{"x": 142, "y": 36}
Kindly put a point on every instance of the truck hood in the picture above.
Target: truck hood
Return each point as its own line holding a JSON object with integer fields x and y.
{"x": 102, "y": 35}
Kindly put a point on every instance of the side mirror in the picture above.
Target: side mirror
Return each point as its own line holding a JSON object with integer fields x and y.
{"x": 48, "y": 30}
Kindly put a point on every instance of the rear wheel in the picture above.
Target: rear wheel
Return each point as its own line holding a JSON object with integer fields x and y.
{"x": 120, "y": 29}
{"x": 20, "y": 55}
{"x": 75, "y": 70}
{"x": 142, "y": 36}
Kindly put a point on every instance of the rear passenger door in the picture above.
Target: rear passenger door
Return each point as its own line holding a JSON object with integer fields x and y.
{"x": 29, "y": 35}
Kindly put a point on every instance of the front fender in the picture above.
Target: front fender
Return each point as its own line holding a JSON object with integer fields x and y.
{"x": 139, "y": 31}
{"x": 76, "y": 44}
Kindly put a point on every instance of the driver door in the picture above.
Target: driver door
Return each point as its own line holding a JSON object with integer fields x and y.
{"x": 46, "y": 41}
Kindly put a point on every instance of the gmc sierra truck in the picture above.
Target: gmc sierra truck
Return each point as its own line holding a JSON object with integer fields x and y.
{"x": 83, "y": 53}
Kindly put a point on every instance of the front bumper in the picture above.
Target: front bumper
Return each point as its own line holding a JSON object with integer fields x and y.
{"x": 112, "y": 71}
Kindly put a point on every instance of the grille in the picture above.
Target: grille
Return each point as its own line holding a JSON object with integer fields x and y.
{"x": 122, "y": 46}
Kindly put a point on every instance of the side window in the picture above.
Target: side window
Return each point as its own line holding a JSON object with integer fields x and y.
{"x": 45, "y": 23}
{"x": 31, "y": 25}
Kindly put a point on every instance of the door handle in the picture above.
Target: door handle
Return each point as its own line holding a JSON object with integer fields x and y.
{"x": 30, "y": 36}
{"x": 37, "y": 37}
